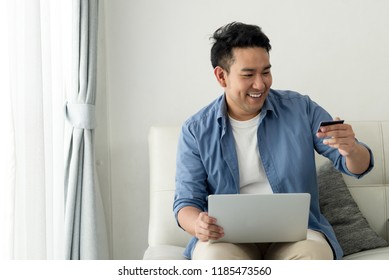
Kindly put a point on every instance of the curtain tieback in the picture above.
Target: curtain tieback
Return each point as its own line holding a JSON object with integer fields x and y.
{"x": 81, "y": 115}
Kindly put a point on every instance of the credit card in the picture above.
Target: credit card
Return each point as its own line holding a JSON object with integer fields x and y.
{"x": 327, "y": 123}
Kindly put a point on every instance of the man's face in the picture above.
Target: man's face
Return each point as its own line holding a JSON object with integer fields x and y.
{"x": 248, "y": 82}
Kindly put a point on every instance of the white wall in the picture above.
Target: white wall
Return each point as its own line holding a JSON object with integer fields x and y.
{"x": 158, "y": 72}
{"x": 102, "y": 142}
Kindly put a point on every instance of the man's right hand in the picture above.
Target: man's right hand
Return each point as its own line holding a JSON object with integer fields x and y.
{"x": 206, "y": 228}
{"x": 199, "y": 224}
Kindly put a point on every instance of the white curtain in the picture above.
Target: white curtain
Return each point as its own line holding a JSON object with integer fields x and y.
{"x": 34, "y": 68}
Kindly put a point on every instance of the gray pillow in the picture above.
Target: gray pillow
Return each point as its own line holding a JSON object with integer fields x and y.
{"x": 338, "y": 206}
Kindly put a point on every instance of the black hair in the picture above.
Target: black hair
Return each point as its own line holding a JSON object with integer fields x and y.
{"x": 235, "y": 35}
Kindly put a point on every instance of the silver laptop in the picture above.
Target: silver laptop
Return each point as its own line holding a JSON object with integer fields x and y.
{"x": 259, "y": 218}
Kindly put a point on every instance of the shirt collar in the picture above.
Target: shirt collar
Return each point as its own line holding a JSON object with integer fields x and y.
{"x": 222, "y": 114}
{"x": 269, "y": 105}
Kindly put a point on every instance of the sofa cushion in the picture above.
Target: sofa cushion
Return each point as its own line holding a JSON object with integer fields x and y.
{"x": 338, "y": 206}
{"x": 164, "y": 252}
{"x": 373, "y": 254}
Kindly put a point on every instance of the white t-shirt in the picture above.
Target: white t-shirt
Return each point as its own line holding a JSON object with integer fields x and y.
{"x": 252, "y": 175}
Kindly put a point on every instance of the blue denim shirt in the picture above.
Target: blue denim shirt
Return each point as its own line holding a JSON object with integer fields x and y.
{"x": 207, "y": 161}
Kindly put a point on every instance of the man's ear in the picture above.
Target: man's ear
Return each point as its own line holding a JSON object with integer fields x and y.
{"x": 220, "y": 75}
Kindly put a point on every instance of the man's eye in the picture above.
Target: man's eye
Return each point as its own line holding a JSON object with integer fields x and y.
{"x": 247, "y": 75}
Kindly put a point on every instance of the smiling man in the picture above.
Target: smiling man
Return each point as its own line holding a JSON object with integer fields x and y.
{"x": 246, "y": 82}
{"x": 254, "y": 139}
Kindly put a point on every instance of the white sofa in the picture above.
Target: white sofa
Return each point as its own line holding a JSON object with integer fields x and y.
{"x": 167, "y": 241}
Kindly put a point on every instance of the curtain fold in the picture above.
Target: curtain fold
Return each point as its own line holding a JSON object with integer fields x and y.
{"x": 85, "y": 226}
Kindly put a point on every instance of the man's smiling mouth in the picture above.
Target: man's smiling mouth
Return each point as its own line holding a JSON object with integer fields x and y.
{"x": 255, "y": 94}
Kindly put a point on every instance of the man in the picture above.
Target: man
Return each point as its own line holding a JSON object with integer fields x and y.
{"x": 254, "y": 139}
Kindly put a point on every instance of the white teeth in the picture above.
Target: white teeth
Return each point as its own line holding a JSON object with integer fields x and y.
{"x": 255, "y": 95}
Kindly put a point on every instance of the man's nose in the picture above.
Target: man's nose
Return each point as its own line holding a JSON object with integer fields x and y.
{"x": 258, "y": 83}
